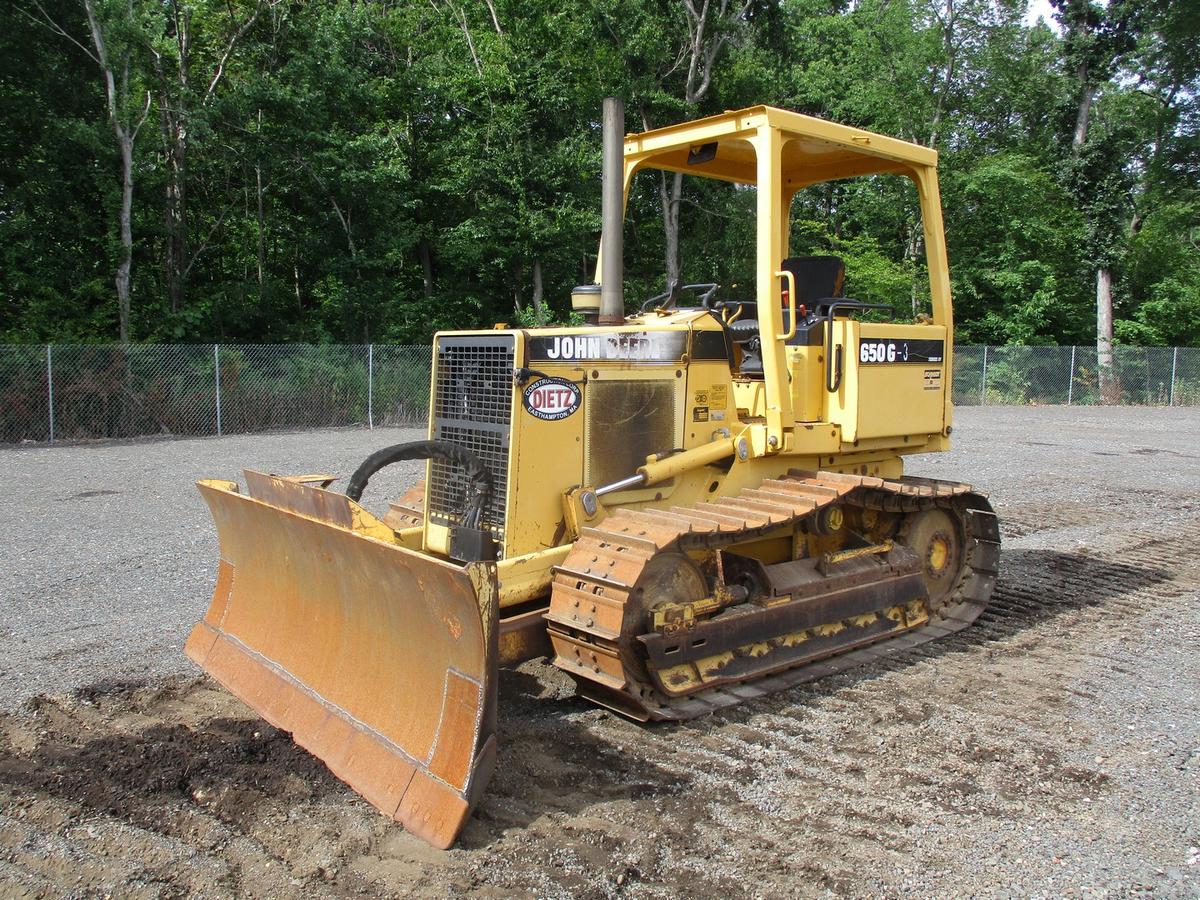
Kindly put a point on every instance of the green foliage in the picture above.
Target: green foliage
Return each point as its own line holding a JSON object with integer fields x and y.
{"x": 1014, "y": 236}
{"x": 354, "y": 172}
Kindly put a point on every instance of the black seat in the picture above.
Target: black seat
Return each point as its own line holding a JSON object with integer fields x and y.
{"x": 817, "y": 278}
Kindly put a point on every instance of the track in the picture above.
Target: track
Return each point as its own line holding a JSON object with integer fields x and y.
{"x": 596, "y": 589}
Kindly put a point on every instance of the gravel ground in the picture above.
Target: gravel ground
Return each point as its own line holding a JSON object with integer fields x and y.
{"x": 113, "y": 553}
{"x": 1051, "y": 749}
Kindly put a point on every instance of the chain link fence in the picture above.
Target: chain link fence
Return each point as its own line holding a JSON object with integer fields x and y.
{"x": 71, "y": 392}
{"x": 1019, "y": 376}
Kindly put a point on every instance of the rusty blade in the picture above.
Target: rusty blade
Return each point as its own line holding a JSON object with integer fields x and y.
{"x": 379, "y": 660}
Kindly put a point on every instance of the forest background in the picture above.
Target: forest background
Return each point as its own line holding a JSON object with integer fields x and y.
{"x": 342, "y": 171}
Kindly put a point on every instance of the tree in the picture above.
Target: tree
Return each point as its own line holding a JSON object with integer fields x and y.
{"x": 115, "y": 31}
{"x": 350, "y": 171}
{"x": 181, "y": 99}
{"x": 673, "y": 56}
{"x": 1096, "y": 37}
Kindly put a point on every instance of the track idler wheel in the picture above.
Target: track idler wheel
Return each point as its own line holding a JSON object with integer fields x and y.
{"x": 936, "y": 536}
{"x": 667, "y": 578}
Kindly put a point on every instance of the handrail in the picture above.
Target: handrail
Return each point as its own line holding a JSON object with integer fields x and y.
{"x": 833, "y": 370}
{"x": 791, "y": 280}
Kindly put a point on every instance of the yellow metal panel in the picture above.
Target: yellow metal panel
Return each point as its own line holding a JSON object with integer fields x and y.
{"x": 807, "y": 374}
{"x": 797, "y": 177}
{"x": 901, "y": 398}
{"x": 856, "y": 140}
{"x": 893, "y": 399}
{"x": 437, "y": 537}
{"x": 750, "y": 398}
{"x": 710, "y": 403}
{"x": 732, "y": 170}
{"x": 546, "y": 458}
{"x": 817, "y": 150}
{"x": 891, "y": 402}
{"x": 842, "y": 405}
{"x": 699, "y": 131}
{"x": 939, "y": 273}
{"x": 673, "y": 374}
{"x": 527, "y": 577}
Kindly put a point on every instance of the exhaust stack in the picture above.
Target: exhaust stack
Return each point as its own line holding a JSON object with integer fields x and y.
{"x": 612, "y": 211}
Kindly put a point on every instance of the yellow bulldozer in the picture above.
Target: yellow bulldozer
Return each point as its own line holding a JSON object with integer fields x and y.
{"x": 685, "y": 507}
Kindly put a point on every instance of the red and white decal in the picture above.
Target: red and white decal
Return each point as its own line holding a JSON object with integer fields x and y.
{"x": 552, "y": 399}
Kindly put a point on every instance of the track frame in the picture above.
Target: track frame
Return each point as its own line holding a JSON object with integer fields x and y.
{"x": 594, "y": 594}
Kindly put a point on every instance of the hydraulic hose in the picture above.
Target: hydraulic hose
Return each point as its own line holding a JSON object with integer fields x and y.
{"x": 477, "y": 473}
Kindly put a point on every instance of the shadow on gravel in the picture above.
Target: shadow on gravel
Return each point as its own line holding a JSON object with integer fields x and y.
{"x": 133, "y": 751}
{"x": 234, "y": 769}
{"x": 549, "y": 762}
{"x": 1034, "y": 586}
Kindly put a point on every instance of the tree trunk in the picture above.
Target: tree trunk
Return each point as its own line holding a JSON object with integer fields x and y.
{"x": 702, "y": 49}
{"x": 125, "y": 127}
{"x": 426, "y": 254}
{"x": 177, "y": 105}
{"x": 912, "y": 250}
{"x": 1110, "y": 390}
{"x": 948, "y": 51}
{"x": 174, "y": 107}
{"x": 537, "y": 288}
{"x": 262, "y": 229}
{"x": 176, "y": 261}
{"x": 125, "y": 264}
{"x": 1082, "y": 117}
{"x": 670, "y": 198}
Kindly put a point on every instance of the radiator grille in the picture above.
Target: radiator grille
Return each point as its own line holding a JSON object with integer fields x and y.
{"x": 627, "y": 421}
{"x": 472, "y": 407}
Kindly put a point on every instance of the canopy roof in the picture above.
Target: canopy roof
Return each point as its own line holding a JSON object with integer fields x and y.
{"x": 813, "y": 150}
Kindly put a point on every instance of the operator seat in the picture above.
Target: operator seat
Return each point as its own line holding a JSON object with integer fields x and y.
{"x": 817, "y": 278}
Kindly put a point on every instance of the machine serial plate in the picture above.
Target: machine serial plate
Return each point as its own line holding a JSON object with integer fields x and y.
{"x": 876, "y": 351}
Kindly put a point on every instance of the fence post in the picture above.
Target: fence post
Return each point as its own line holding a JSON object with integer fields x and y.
{"x": 1071, "y": 378}
{"x": 1147, "y": 400}
{"x": 50, "y": 387}
{"x": 371, "y": 386}
{"x": 983, "y": 380}
{"x": 217, "y": 370}
{"x": 1175, "y": 361}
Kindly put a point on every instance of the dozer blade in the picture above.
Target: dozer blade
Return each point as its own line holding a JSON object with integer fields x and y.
{"x": 379, "y": 660}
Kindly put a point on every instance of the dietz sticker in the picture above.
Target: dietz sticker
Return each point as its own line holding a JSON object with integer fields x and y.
{"x": 551, "y": 399}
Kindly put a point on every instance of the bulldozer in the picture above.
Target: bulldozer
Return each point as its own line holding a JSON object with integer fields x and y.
{"x": 684, "y": 507}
